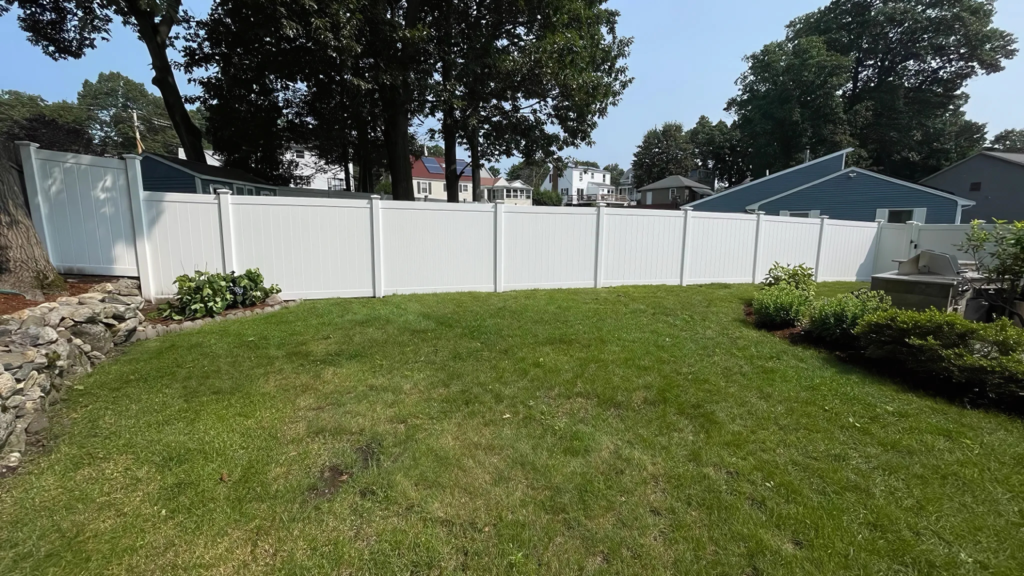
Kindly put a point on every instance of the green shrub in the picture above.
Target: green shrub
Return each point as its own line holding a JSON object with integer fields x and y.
{"x": 942, "y": 347}
{"x": 779, "y": 307}
{"x": 800, "y": 277}
{"x": 832, "y": 321}
{"x": 210, "y": 293}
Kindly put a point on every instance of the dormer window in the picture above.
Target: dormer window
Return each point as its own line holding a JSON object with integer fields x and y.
{"x": 300, "y": 153}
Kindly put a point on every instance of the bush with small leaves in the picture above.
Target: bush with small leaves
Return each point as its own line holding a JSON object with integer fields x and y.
{"x": 779, "y": 307}
{"x": 800, "y": 277}
{"x": 832, "y": 321}
{"x": 210, "y": 293}
{"x": 940, "y": 347}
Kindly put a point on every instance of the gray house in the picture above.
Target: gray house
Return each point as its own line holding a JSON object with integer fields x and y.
{"x": 825, "y": 187}
{"x": 162, "y": 173}
{"x": 993, "y": 180}
{"x": 671, "y": 193}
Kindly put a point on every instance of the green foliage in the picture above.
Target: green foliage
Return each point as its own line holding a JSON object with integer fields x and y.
{"x": 533, "y": 172}
{"x": 587, "y": 164}
{"x": 383, "y": 187}
{"x": 717, "y": 147}
{"x": 111, "y": 99}
{"x": 998, "y": 250}
{"x": 832, "y": 321}
{"x": 1009, "y": 140}
{"x": 939, "y": 346}
{"x": 664, "y": 152}
{"x": 800, "y": 277}
{"x": 546, "y": 198}
{"x": 60, "y": 126}
{"x": 210, "y": 293}
{"x": 780, "y": 306}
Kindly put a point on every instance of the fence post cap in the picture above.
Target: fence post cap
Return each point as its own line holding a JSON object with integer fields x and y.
{"x": 499, "y": 201}
{"x": 374, "y": 196}
{"x": 26, "y": 143}
{"x": 823, "y": 217}
{"x": 758, "y": 212}
{"x": 222, "y": 191}
{"x": 686, "y": 208}
{"x": 131, "y": 156}
{"x": 879, "y": 221}
{"x": 601, "y": 205}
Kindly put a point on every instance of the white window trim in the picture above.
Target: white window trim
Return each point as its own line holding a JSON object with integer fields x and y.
{"x": 809, "y": 213}
{"x": 920, "y": 215}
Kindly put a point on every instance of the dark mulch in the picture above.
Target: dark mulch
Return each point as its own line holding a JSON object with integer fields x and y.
{"x": 10, "y": 303}
{"x": 784, "y": 334}
{"x": 150, "y": 312}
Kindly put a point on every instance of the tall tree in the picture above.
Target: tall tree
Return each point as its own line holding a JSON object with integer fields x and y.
{"x": 116, "y": 103}
{"x": 665, "y": 151}
{"x": 1009, "y": 140}
{"x": 61, "y": 126}
{"x": 69, "y": 28}
{"x": 587, "y": 164}
{"x": 532, "y": 172}
{"x": 789, "y": 102}
{"x": 906, "y": 65}
{"x": 717, "y": 149}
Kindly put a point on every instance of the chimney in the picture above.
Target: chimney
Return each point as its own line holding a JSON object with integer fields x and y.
{"x": 807, "y": 155}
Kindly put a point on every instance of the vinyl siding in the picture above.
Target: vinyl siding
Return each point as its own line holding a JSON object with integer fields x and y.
{"x": 1002, "y": 187}
{"x": 741, "y": 197}
{"x": 160, "y": 177}
{"x": 844, "y": 198}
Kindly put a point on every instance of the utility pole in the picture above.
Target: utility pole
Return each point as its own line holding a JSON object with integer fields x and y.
{"x": 138, "y": 138}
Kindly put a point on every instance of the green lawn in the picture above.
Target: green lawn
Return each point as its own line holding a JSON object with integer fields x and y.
{"x": 643, "y": 430}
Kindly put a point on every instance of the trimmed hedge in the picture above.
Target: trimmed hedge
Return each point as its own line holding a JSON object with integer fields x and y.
{"x": 779, "y": 307}
{"x": 832, "y": 321}
{"x": 940, "y": 346}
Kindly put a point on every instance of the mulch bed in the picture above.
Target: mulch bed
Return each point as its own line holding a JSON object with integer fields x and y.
{"x": 10, "y": 303}
{"x": 150, "y": 309}
{"x": 785, "y": 334}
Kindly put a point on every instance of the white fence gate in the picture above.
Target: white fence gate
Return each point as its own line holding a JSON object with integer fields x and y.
{"x": 81, "y": 208}
{"x": 95, "y": 218}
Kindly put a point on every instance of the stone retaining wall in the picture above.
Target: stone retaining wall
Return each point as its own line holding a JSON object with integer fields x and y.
{"x": 42, "y": 347}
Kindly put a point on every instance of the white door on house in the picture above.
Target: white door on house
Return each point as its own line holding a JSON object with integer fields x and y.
{"x": 650, "y": 198}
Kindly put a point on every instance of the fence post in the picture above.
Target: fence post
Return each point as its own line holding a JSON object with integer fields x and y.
{"x": 499, "y": 245}
{"x": 914, "y": 232}
{"x": 684, "y": 266}
{"x": 878, "y": 247}
{"x": 376, "y": 244}
{"x": 821, "y": 242}
{"x": 34, "y": 193}
{"x": 757, "y": 247}
{"x": 134, "y": 169}
{"x": 226, "y": 234}
{"x": 599, "y": 267}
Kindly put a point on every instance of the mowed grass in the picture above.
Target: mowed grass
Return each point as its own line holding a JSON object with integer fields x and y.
{"x": 646, "y": 430}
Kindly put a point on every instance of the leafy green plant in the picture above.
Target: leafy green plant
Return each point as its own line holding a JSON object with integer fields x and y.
{"x": 943, "y": 347}
{"x": 998, "y": 250}
{"x": 800, "y": 277}
{"x": 780, "y": 306}
{"x": 210, "y": 293}
{"x": 203, "y": 294}
{"x": 832, "y": 321}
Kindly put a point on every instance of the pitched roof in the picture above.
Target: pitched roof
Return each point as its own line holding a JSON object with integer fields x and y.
{"x": 675, "y": 182}
{"x": 961, "y": 201}
{"x": 1012, "y": 157}
{"x": 771, "y": 176}
{"x": 420, "y": 172}
{"x": 208, "y": 171}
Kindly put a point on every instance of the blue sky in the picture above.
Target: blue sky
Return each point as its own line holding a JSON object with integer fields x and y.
{"x": 686, "y": 58}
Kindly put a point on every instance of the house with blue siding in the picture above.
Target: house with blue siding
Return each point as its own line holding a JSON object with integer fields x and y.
{"x": 162, "y": 173}
{"x": 825, "y": 187}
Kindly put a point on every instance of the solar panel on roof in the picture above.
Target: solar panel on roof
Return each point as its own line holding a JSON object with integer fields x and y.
{"x": 432, "y": 166}
{"x": 463, "y": 168}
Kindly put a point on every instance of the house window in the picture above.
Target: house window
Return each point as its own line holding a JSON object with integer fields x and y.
{"x": 900, "y": 216}
{"x": 975, "y": 186}
{"x": 239, "y": 190}
{"x": 300, "y": 153}
{"x": 268, "y": 193}
{"x": 671, "y": 192}
{"x": 603, "y": 176}
{"x": 464, "y": 188}
{"x": 335, "y": 184}
{"x": 424, "y": 188}
{"x": 250, "y": 191}
{"x": 799, "y": 214}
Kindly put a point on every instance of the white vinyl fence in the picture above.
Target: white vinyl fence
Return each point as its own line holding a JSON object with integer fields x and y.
{"x": 95, "y": 218}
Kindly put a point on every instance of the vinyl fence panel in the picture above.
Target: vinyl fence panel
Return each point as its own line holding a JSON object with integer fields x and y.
{"x": 549, "y": 247}
{"x": 437, "y": 247}
{"x": 643, "y": 247}
{"x": 848, "y": 251}
{"x": 721, "y": 248}
{"x": 82, "y": 211}
{"x": 788, "y": 241}
{"x": 311, "y": 248}
{"x": 183, "y": 235}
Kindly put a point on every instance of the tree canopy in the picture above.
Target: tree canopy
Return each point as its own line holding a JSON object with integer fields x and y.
{"x": 65, "y": 29}
{"x": 616, "y": 174}
{"x": 1010, "y": 140}
{"x": 884, "y": 77}
{"x": 665, "y": 151}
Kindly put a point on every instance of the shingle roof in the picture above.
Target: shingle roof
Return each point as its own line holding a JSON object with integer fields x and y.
{"x": 208, "y": 171}
{"x": 675, "y": 182}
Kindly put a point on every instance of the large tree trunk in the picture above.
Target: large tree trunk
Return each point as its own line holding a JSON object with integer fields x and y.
{"x": 451, "y": 154}
{"x": 474, "y": 153}
{"x": 154, "y": 34}
{"x": 396, "y": 140}
{"x": 345, "y": 159}
{"x": 25, "y": 266}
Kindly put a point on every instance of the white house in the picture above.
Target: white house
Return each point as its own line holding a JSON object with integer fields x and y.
{"x": 428, "y": 183}
{"x": 585, "y": 186}
{"x": 627, "y": 186}
{"x": 322, "y": 176}
{"x": 515, "y": 192}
